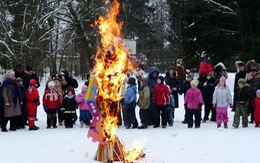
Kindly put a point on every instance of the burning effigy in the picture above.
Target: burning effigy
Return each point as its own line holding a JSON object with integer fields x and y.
{"x": 104, "y": 90}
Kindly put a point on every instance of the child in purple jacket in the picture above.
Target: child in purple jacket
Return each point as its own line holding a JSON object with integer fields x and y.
{"x": 84, "y": 113}
{"x": 193, "y": 102}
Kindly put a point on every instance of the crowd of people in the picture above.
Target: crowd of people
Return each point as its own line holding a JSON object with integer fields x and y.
{"x": 158, "y": 97}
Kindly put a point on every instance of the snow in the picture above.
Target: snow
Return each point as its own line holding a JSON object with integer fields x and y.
{"x": 173, "y": 144}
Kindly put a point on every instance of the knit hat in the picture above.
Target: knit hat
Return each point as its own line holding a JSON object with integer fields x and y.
{"x": 194, "y": 82}
{"x": 241, "y": 64}
{"x": 254, "y": 68}
{"x": 19, "y": 79}
{"x": 28, "y": 68}
{"x": 190, "y": 75}
{"x": 51, "y": 84}
{"x": 242, "y": 81}
{"x": 211, "y": 80}
{"x": 223, "y": 78}
{"x": 137, "y": 66}
{"x": 171, "y": 67}
{"x": 131, "y": 81}
{"x": 70, "y": 88}
{"x": 161, "y": 78}
{"x": 32, "y": 82}
{"x": 84, "y": 88}
{"x": 18, "y": 66}
{"x": 258, "y": 91}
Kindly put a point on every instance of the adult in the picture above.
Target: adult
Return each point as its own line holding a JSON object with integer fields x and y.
{"x": 181, "y": 72}
{"x": 32, "y": 75}
{"x": 69, "y": 81}
{"x": 20, "y": 73}
{"x": 219, "y": 70}
{"x": 1, "y": 105}
{"x": 172, "y": 81}
{"x": 12, "y": 100}
{"x": 254, "y": 82}
{"x": 240, "y": 74}
{"x": 205, "y": 65}
{"x": 153, "y": 74}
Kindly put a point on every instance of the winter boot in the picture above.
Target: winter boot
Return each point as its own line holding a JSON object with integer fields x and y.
{"x": 33, "y": 128}
{"x": 81, "y": 124}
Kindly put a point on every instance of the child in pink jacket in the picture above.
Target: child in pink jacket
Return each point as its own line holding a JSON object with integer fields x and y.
{"x": 193, "y": 102}
{"x": 84, "y": 113}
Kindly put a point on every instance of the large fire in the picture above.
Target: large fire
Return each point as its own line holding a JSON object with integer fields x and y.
{"x": 112, "y": 64}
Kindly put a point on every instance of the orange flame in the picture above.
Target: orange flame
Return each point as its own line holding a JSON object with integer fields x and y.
{"x": 110, "y": 70}
{"x": 112, "y": 64}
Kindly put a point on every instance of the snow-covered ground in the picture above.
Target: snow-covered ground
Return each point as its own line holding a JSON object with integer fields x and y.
{"x": 176, "y": 144}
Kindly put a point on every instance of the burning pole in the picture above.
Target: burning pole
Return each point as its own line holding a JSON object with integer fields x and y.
{"x": 112, "y": 63}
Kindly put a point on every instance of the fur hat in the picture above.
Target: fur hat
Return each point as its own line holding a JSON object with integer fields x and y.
{"x": 241, "y": 81}
{"x": 131, "y": 81}
{"x": 258, "y": 91}
{"x": 9, "y": 72}
{"x": 179, "y": 60}
{"x": 190, "y": 75}
{"x": 194, "y": 82}
{"x": 51, "y": 84}
{"x": 161, "y": 78}
{"x": 254, "y": 68}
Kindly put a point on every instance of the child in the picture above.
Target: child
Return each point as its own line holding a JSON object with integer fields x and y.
{"x": 221, "y": 100}
{"x": 170, "y": 109}
{"x": 184, "y": 89}
{"x": 161, "y": 100}
{"x": 130, "y": 103}
{"x": 193, "y": 102}
{"x": 84, "y": 113}
{"x": 69, "y": 105}
{"x": 256, "y": 104}
{"x": 144, "y": 102}
{"x": 32, "y": 98}
{"x": 51, "y": 103}
{"x": 207, "y": 94}
{"x": 241, "y": 97}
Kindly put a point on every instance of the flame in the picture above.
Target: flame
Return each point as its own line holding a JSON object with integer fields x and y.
{"x": 112, "y": 63}
{"x": 136, "y": 152}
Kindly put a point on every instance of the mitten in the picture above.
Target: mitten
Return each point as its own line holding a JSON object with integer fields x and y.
{"x": 231, "y": 106}
{"x": 45, "y": 108}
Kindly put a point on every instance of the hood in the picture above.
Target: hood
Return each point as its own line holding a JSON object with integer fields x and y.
{"x": 152, "y": 70}
{"x": 221, "y": 65}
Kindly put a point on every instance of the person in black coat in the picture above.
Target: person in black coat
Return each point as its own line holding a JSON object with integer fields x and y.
{"x": 207, "y": 93}
{"x": 19, "y": 72}
{"x": 172, "y": 81}
{"x": 1, "y": 105}
{"x": 32, "y": 75}
{"x": 202, "y": 79}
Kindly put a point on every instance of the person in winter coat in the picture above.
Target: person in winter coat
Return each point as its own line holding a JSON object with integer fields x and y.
{"x": 22, "y": 119}
{"x": 139, "y": 74}
{"x": 32, "y": 98}
{"x": 207, "y": 94}
{"x": 51, "y": 102}
{"x": 11, "y": 100}
{"x": 219, "y": 71}
{"x": 144, "y": 102}
{"x": 20, "y": 73}
{"x": 254, "y": 83}
{"x": 241, "y": 97}
{"x": 130, "y": 103}
{"x": 162, "y": 100}
{"x": 256, "y": 104}
{"x": 185, "y": 88}
{"x": 202, "y": 80}
{"x": 170, "y": 109}
{"x": 192, "y": 103}
{"x": 221, "y": 100}
{"x": 69, "y": 106}
{"x": 240, "y": 74}
{"x": 205, "y": 66}
{"x": 1, "y": 105}
{"x": 121, "y": 117}
{"x": 32, "y": 75}
{"x": 172, "y": 81}
{"x": 59, "y": 81}
{"x": 153, "y": 74}
{"x": 181, "y": 72}
{"x": 84, "y": 113}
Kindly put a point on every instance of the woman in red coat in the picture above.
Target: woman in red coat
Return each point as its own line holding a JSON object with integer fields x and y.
{"x": 256, "y": 104}
{"x": 32, "y": 98}
{"x": 205, "y": 66}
